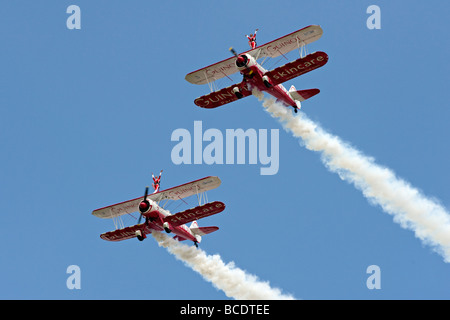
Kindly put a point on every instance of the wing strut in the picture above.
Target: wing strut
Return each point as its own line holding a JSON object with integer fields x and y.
{"x": 198, "y": 198}
{"x": 302, "y": 48}
{"x": 210, "y": 84}
{"x": 202, "y": 197}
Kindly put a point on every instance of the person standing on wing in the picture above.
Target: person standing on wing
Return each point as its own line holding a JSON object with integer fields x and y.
{"x": 252, "y": 40}
{"x": 156, "y": 182}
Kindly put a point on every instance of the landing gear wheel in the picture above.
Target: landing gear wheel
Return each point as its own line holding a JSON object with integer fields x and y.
{"x": 140, "y": 235}
{"x": 295, "y": 109}
{"x": 267, "y": 84}
{"x": 237, "y": 93}
{"x": 196, "y": 244}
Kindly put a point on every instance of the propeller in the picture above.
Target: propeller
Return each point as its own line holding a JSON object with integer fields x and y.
{"x": 143, "y": 206}
{"x": 241, "y": 60}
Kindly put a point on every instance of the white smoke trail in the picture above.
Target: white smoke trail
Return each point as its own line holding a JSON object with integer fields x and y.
{"x": 412, "y": 210}
{"x": 235, "y": 282}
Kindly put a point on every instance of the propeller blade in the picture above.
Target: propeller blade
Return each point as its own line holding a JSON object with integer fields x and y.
{"x": 233, "y": 52}
{"x": 146, "y": 193}
{"x": 145, "y": 199}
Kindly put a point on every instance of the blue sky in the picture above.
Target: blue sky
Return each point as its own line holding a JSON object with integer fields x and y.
{"x": 87, "y": 115}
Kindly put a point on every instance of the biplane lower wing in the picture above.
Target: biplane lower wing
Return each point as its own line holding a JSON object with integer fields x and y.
{"x": 219, "y": 98}
{"x": 128, "y": 232}
{"x": 196, "y": 213}
{"x": 175, "y": 193}
{"x": 298, "y": 67}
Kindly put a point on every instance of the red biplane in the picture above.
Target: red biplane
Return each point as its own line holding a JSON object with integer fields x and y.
{"x": 255, "y": 76}
{"x": 158, "y": 219}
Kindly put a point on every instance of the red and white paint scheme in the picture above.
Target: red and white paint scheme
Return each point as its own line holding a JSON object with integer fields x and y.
{"x": 158, "y": 219}
{"x": 255, "y": 76}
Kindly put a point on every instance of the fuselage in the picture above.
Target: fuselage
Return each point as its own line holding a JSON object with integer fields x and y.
{"x": 156, "y": 215}
{"x": 255, "y": 77}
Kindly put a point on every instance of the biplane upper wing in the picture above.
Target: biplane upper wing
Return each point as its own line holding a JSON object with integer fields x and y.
{"x": 287, "y": 43}
{"x": 175, "y": 193}
{"x": 298, "y": 67}
{"x": 271, "y": 49}
{"x": 219, "y": 98}
{"x": 196, "y": 213}
{"x": 213, "y": 72}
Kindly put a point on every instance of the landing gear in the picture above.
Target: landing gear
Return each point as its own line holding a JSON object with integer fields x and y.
{"x": 167, "y": 227}
{"x": 295, "y": 109}
{"x": 196, "y": 244}
{"x": 267, "y": 84}
{"x": 140, "y": 235}
{"x": 237, "y": 93}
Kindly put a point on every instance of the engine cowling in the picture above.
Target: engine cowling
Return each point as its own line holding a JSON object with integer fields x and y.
{"x": 244, "y": 61}
{"x": 149, "y": 209}
{"x": 145, "y": 206}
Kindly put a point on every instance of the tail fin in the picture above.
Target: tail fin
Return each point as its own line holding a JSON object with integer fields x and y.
{"x": 193, "y": 225}
{"x": 302, "y": 95}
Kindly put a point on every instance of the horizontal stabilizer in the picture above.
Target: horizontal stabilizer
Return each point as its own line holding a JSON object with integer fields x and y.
{"x": 201, "y": 231}
{"x": 302, "y": 95}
